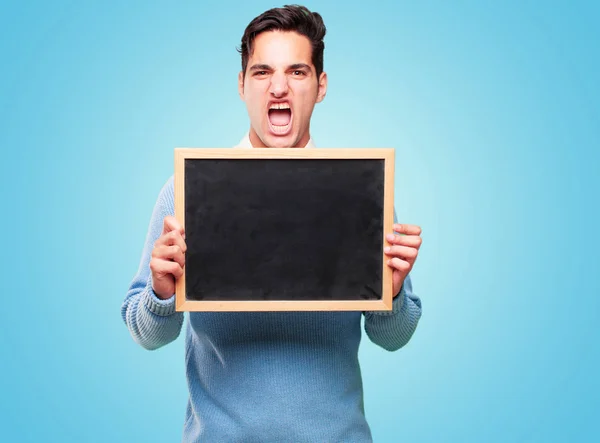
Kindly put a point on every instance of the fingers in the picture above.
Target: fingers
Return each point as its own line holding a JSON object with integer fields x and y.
{"x": 401, "y": 265}
{"x": 162, "y": 267}
{"x": 168, "y": 255}
{"x": 173, "y": 234}
{"x": 169, "y": 252}
{"x": 404, "y": 247}
{"x": 403, "y": 252}
{"x": 170, "y": 239}
{"x": 407, "y": 229}
{"x": 170, "y": 223}
{"x": 413, "y": 241}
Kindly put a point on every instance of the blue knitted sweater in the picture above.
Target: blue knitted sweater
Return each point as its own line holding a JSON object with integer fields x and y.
{"x": 266, "y": 376}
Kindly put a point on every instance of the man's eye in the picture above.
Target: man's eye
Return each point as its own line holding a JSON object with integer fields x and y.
{"x": 299, "y": 73}
{"x": 260, "y": 73}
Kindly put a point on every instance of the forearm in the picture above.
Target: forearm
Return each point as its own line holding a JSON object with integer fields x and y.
{"x": 393, "y": 329}
{"x": 152, "y": 322}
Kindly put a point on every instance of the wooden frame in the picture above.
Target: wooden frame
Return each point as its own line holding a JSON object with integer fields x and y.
{"x": 386, "y": 154}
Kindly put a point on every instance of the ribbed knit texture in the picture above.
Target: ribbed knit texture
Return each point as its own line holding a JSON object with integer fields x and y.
{"x": 266, "y": 376}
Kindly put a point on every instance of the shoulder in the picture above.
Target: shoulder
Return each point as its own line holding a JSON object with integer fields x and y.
{"x": 166, "y": 197}
{"x": 168, "y": 188}
{"x": 169, "y": 184}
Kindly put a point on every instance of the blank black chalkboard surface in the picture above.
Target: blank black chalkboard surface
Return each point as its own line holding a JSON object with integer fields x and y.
{"x": 296, "y": 229}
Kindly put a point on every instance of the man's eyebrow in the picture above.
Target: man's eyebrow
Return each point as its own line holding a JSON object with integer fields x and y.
{"x": 300, "y": 66}
{"x": 264, "y": 67}
{"x": 260, "y": 67}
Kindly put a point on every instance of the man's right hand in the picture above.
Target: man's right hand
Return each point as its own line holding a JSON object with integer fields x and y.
{"x": 168, "y": 258}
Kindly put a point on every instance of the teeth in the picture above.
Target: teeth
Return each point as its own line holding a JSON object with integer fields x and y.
{"x": 280, "y": 129}
{"x": 279, "y": 106}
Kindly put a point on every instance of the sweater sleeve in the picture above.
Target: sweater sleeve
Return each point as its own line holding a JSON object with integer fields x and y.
{"x": 393, "y": 329}
{"x": 152, "y": 322}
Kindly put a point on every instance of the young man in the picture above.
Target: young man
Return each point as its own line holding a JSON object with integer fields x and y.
{"x": 270, "y": 376}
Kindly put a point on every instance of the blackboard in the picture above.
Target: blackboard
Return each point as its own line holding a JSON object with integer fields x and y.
{"x": 284, "y": 229}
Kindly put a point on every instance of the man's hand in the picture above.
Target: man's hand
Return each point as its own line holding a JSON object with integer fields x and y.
{"x": 402, "y": 252}
{"x": 168, "y": 258}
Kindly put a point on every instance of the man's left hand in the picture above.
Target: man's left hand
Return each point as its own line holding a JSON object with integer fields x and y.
{"x": 402, "y": 252}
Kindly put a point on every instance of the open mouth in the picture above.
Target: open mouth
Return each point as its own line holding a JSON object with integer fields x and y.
{"x": 280, "y": 118}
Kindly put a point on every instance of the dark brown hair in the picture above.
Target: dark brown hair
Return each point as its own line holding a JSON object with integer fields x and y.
{"x": 288, "y": 18}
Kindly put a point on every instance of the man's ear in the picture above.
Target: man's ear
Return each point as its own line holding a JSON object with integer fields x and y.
{"x": 241, "y": 84}
{"x": 322, "y": 87}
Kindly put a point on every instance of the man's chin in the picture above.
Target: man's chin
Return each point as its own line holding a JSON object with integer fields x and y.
{"x": 279, "y": 141}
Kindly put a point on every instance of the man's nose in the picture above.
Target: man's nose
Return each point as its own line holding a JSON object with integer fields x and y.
{"x": 279, "y": 86}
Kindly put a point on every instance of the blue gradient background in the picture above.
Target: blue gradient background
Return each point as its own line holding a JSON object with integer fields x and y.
{"x": 493, "y": 111}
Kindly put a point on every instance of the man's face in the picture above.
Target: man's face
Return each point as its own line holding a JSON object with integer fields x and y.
{"x": 280, "y": 89}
